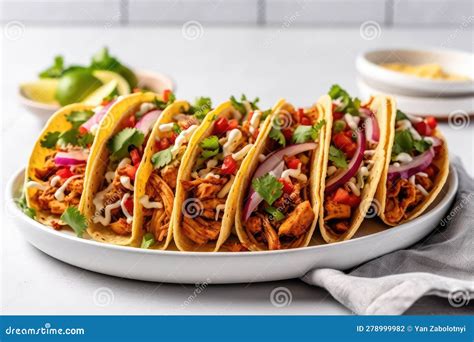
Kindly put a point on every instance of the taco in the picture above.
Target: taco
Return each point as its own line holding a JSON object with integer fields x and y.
{"x": 162, "y": 158}
{"x": 60, "y": 162}
{"x": 109, "y": 197}
{"x": 204, "y": 207}
{"x": 278, "y": 189}
{"x": 355, "y": 142}
{"x": 416, "y": 168}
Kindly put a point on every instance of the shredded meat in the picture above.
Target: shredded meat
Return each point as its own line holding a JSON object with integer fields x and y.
{"x": 298, "y": 222}
{"x": 270, "y": 234}
{"x": 233, "y": 247}
{"x": 200, "y": 230}
{"x": 287, "y": 202}
{"x": 340, "y": 227}
{"x": 121, "y": 226}
{"x": 209, "y": 207}
{"x": 403, "y": 196}
{"x": 48, "y": 170}
{"x": 254, "y": 225}
{"x": 72, "y": 195}
{"x": 170, "y": 174}
{"x": 336, "y": 210}
{"x": 205, "y": 187}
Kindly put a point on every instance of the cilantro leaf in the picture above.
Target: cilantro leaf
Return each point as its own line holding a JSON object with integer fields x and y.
{"x": 240, "y": 106}
{"x": 54, "y": 71}
{"x": 148, "y": 240}
{"x": 278, "y": 136}
{"x": 21, "y": 202}
{"x": 401, "y": 115}
{"x": 162, "y": 158}
{"x": 210, "y": 143}
{"x": 162, "y": 104}
{"x": 268, "y": 187}
{"x": 85, "y": 140}
{"x": 421, "y": 145}
{"x": 50, "y": 140}
{"x": 202, "y": 106}
{"x": 348, "y": 104}
{"x": 119, "y": 144}
{"x": 205, "y": 154}
{"x": 402, "y": 142}
{"x": 176, "y": 128}
{"x": 77, "y": 118}
{"x": 337, "y": 157}
{"x": 275, "y": 213}
{"x": 75, "y": 220}
{"x": 69, "y": 137}
{"x": 304, "y": 133}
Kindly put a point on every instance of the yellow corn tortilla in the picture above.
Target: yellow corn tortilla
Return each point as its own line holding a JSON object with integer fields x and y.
{"x": 190, "y": 156}
{"x": 118, "y": 113}
{"x": 57, "y": 122}
{"x": 442, "y": 163}
{"x": 379, "y": 105}
{"x": 247, "y": 170}
{"x": 146, "y": 168}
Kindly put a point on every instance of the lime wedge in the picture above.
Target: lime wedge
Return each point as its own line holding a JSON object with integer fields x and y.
{"x": 98, "y": 95}
{"x": 43, "y": 90}
{"x": 106, "y": 76}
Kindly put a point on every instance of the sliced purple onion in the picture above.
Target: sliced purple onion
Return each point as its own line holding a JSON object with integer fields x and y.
{"x": 147, "y": 121}
{"x": 97, "y": 117}
{"x": 418, "y": 164}
{"x": 70, "y": 158}
{"x": 341, "y": 178}
{"x": 254, "y": 197}
{"x": 372, "y": 130}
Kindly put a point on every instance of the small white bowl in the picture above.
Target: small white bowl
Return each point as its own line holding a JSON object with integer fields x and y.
{"x": 388, "y": 81}
{"x": 153, "y": 81}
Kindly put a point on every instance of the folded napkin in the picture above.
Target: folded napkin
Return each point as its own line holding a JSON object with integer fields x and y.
{"x": 442, "y": 264}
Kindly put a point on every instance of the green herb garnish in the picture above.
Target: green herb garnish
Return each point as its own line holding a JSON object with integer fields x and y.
{"x": 337, "y": 157}
{"x": 348, "y": 104}
{"x": 275, "y": 214}
{"x": 268, "y": 187}
{"x": 120, "y": 143}
{"x": 21, "y": 202}
{"x": 54, "y": 71}
{"x": 148, "y": 240}
{"x": 75, "y": 220}
{"x": 304, "y": 133}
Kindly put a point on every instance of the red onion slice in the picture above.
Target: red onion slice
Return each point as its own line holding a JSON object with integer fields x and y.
{"x": 147, "y": 121}
{"x": 97, "y": 117}
{"x": 254, "y": 198}
{"x": 418, "y": 164}
{"x": 341, "y": 178}
{"x": 70, "y": 158}
{"x": 372, "y": 130}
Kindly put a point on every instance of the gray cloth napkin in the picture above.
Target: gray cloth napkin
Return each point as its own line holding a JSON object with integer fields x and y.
{"x": 442, "y": 264}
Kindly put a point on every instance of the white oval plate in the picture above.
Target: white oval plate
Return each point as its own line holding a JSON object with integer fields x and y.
{"x": 372, "y": 240}
{"x": 154, "y": 81}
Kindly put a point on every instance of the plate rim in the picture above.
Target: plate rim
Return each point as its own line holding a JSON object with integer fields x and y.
{"x": 453, "y": 183}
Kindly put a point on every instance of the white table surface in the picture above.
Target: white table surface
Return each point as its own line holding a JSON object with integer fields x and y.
{"x": 299, "y": 64}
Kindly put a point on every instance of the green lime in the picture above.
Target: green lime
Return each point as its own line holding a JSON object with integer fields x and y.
{"x": 129, "y": 75}
{"x": 97, "y": 96}
{"x": 106, "y": 76}
{"x": 42, "y": 90}
{"x": 75, "y": 85}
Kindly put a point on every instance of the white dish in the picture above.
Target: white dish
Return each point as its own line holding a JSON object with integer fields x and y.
{"x": 154, "y": 81}
{"x": 456, "y": 62}
{"x": 439, "y": 107}
{"x": 372, "y": 240}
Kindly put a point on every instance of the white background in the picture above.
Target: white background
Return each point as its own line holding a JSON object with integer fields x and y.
{"x": 299, "y": 64}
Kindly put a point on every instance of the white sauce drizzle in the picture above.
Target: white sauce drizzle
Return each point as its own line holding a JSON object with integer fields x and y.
{"x": 242, "y": 153}
{"x": 226, "y": 188}
{"x": 219, "y": 207}
{"x": 167, "y": 127}
{"x": 109, "y": 176}
{"x": 145, "y": 202}
{"x": 295, "y": 173}
{"x": 254, "y": 121}
{"x": 33, "y": 184}
{"x": 422, "y": 190}
{"x": 55, "y": 180}
{"x": 234, "y": 137}
{"x": 125, "y": 181}
{"x": 352, "y": 121}
{"x": 124, "y": 208}
{"x": 182, "y": 138}
{"x": 59, "y": 194}
{"x": 124, "y": 162}
{"x": 105, "y": 220}
{"x": 403, "y": 158}
{"x": 145, "y": 107}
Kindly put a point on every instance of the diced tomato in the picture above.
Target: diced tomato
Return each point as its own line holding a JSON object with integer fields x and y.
{"x": 229, "y": 166}
{"x": 249, "y": 116}
{"x": 288, "y": 133}
{"x": 293, "y": 162}
{"x": 341, "y": 140}
{"x": 162, "y": 144}
{"x": 337, "y": 115}
{"x": 305, "y": 120}
{"x": 166, "y": 95}
{"x": 173, "y": 137}
{"x": 255, "y": 133}
{"x": 64, "y": 172}
{"x": 131, "y": 121}
{"x": 353, "y": 201}
{"x": 83, "y": 130}
{"x": 130, "y": 171}
{"x": 129, "y": 205}
{"x": 135, "y": 156}
{"x": 136, "y": 90}
{"x": 300, "y": 113}
{"x": 423, "y": 128}
{"x": 431, "y": 121}
{"x": 349, "y": 133}
{"x": 221, "y": 126}
{"x": 287, "y": 185}
{"x": 105, "y": 102}
{"x": 234, "y": 123}
{"x": 437, "y": 150}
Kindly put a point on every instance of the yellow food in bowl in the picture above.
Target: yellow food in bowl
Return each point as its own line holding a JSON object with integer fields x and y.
{"x": 431, "y": 71}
